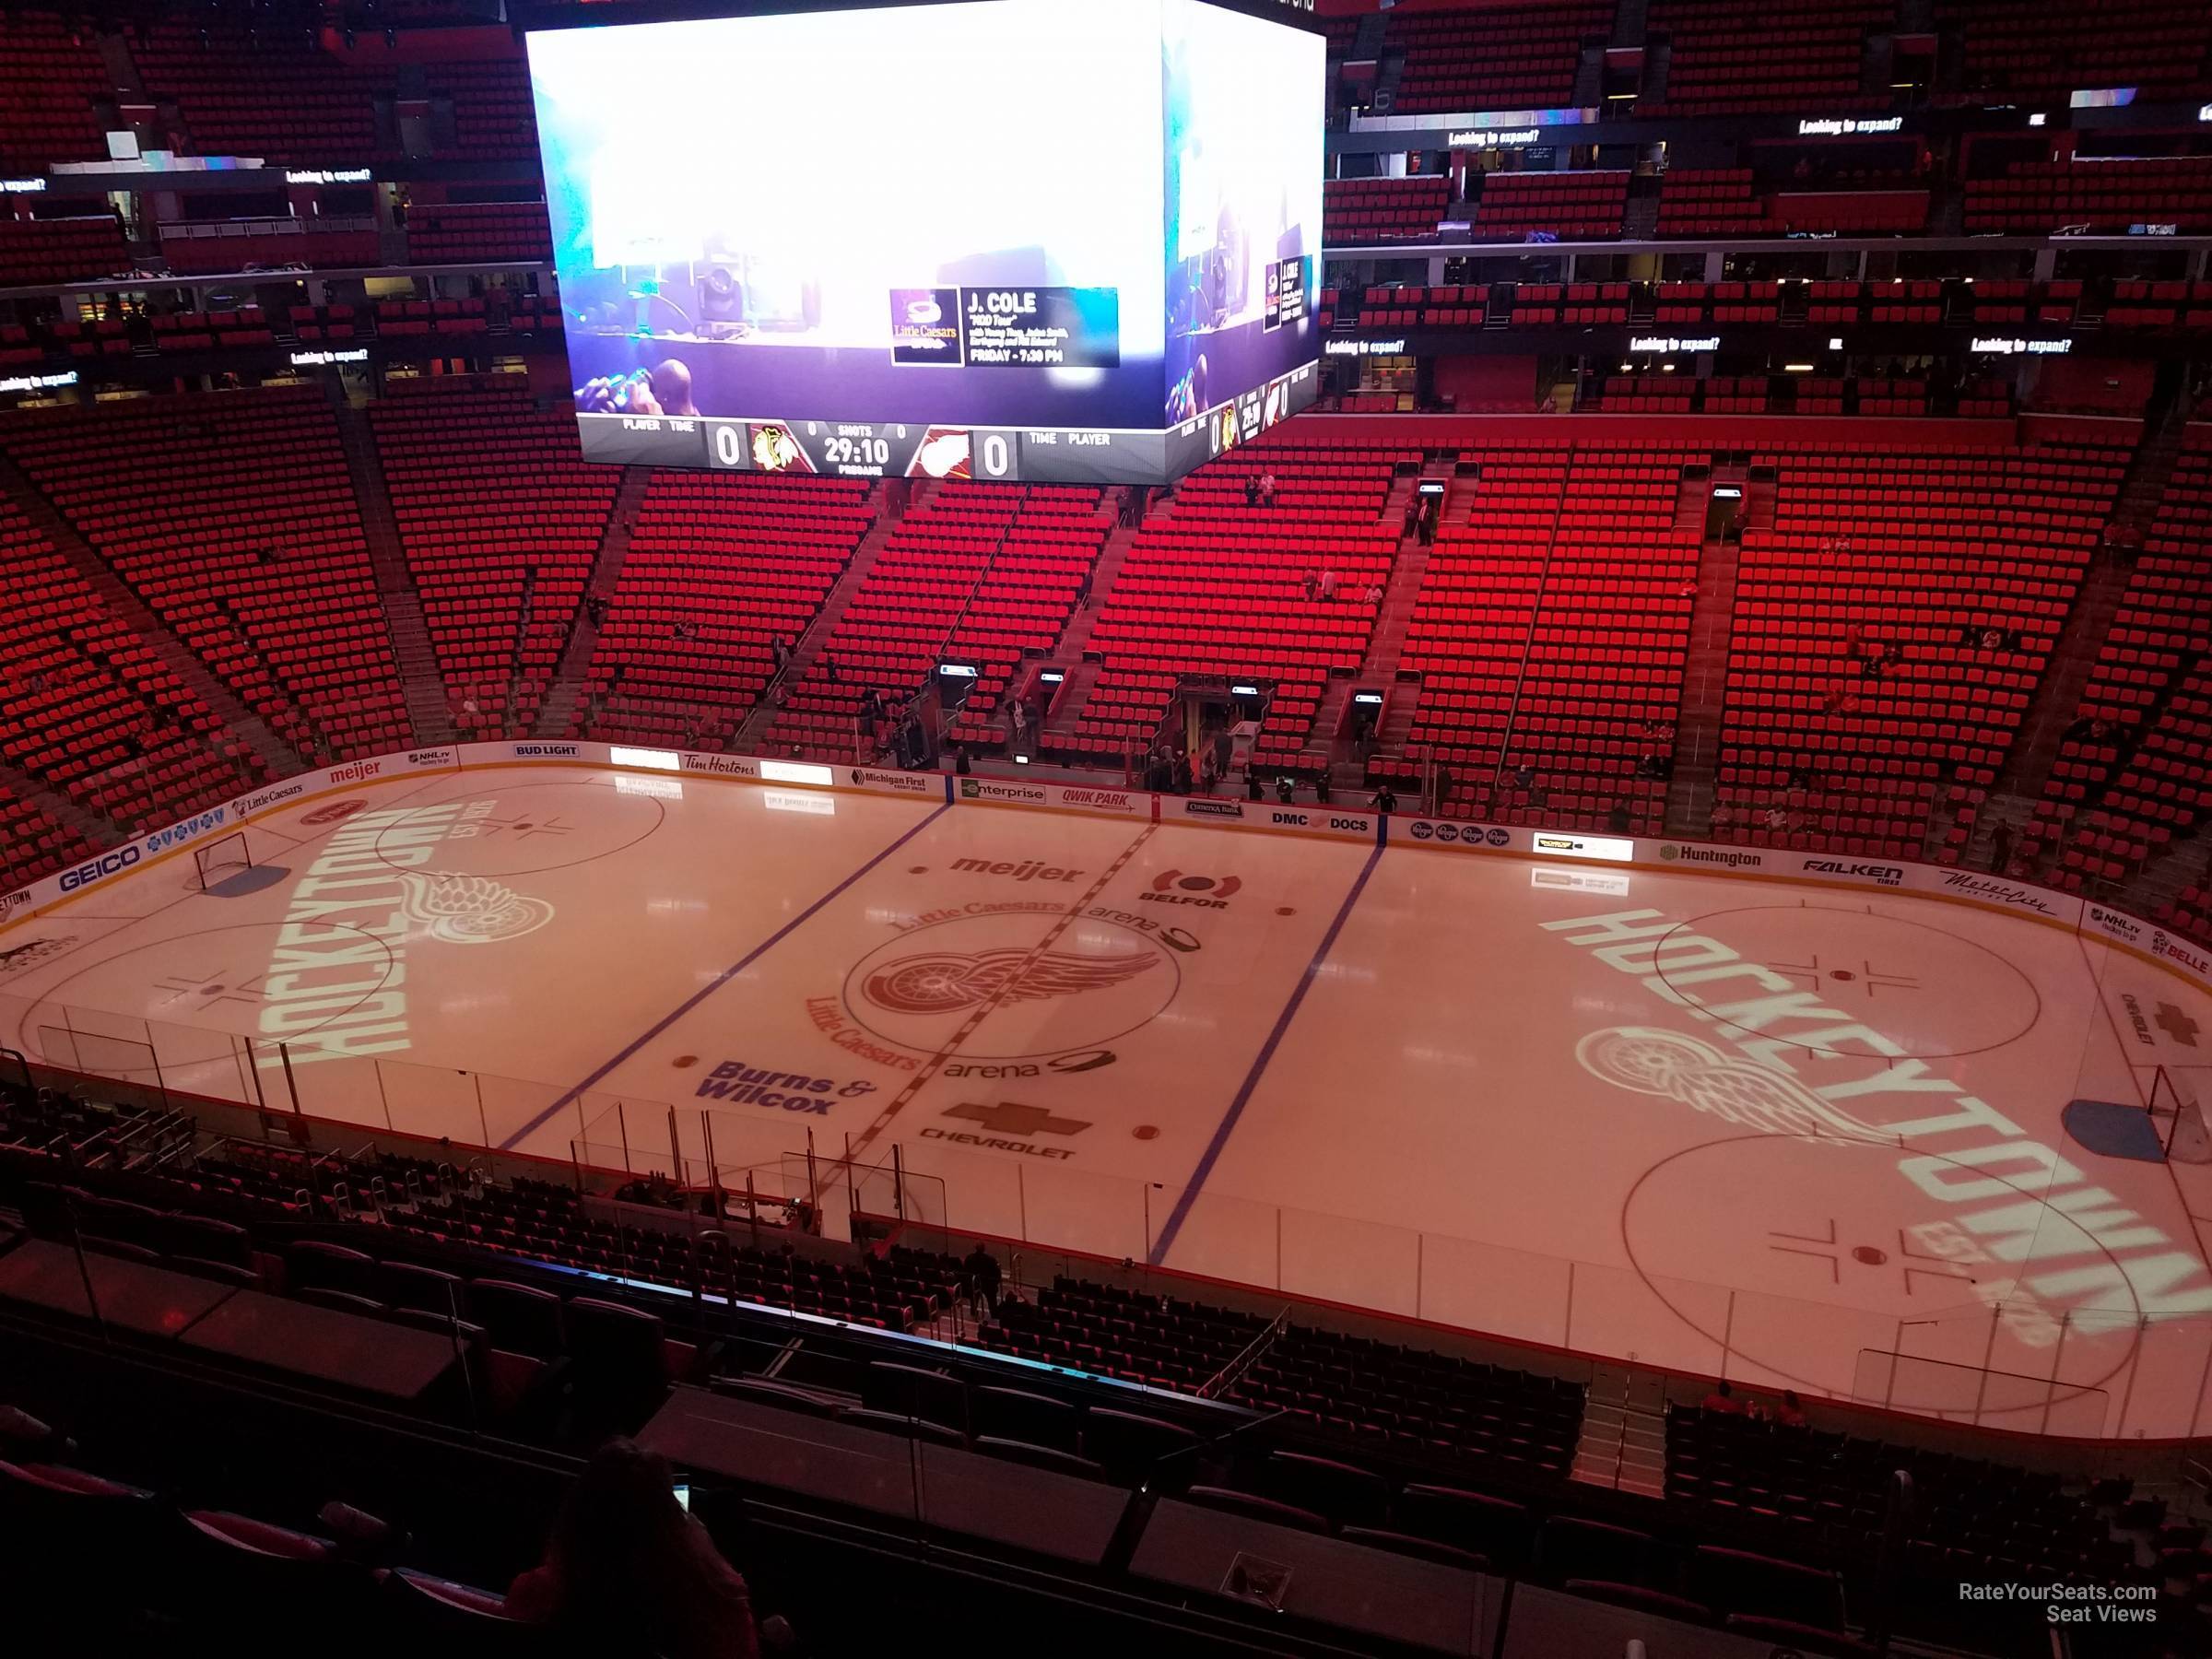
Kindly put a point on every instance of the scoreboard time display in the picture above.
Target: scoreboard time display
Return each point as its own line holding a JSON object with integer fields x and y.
{"x": 1120, "y": 294}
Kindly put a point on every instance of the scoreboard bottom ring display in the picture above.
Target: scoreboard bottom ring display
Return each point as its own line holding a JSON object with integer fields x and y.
{"x": 846, "y": 449}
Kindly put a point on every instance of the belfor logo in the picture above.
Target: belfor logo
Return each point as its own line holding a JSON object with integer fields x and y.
{"x": 1208, "y": 892}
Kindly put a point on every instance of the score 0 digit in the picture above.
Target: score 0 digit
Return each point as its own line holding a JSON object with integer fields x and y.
{"x": 996, "y": 458}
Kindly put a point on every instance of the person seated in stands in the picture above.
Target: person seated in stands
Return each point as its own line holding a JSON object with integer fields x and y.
{"x": 1267, "y": 489}
{"x": 627, "y": 1571}
{"x": 1789, "y": 1414}
{"x": 1252, "y": 489}
{"x": 1722, "y": 1398}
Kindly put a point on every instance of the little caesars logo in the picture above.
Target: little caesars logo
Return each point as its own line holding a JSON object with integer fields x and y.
{"x": 1727, "y": 858}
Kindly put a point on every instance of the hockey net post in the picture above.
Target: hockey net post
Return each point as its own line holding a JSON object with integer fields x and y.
{"x": 219, "y": 860}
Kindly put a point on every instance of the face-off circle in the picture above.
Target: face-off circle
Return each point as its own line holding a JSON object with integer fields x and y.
{"x": 1096, "y": 982}
{"x": 1934, "y": 994}
{"x": 528, "y": 829}
{"x": 212, "y": 983}
{"x": 1802, "y": 1258}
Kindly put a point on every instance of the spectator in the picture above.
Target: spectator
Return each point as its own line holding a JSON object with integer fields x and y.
{"x": 1789, "y": 1414}
{"x": 1312, "y": 587}
{"x": 778, "y": 649}
{"x": 961, "y": 762}
{"x": 1267, "y": 489}
{"x": 1328, "y": 584}
{"x": 1722, "y": 1398}
{"x": 1286, "y": 789}
{"x": 626, "y": 1569}
{"x": 1374, "y": 593}
{"x": 1252, "y": 491}
{"x": 1617, "y": 820}
{"x": 980, "y": 1272}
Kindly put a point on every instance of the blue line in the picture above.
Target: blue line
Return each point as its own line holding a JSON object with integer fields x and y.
{"x": 722, "y": 979}
{"x": 1259, "y": 1065}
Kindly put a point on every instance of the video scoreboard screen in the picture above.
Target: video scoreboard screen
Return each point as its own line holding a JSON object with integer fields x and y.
{"x": 1067, "y": 239}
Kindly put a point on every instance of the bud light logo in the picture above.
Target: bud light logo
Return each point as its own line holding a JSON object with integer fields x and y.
{"x": 545, "y": 751}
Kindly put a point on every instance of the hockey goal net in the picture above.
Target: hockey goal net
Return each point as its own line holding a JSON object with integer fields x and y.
{"x": 220, "y": 860}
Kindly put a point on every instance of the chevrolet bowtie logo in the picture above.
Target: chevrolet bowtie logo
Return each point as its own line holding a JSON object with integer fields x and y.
{"x": 1009, "y": 1117}
{"x": 2177, "y": 1025}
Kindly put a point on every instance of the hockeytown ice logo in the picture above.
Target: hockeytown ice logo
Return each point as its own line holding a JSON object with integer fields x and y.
{"x": 1998, "y": 1196}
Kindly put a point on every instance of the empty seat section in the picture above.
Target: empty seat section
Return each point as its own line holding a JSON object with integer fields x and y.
{"x": 500, "y": 520}
{"x": 233, "y": 518}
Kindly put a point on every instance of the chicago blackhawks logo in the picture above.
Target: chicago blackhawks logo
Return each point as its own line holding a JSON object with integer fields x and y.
{"x": 470, "y": 910}
{"x": 940, "y": 982}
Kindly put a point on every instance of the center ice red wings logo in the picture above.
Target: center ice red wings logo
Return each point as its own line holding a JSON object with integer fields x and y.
{"x": 943, "y": 982}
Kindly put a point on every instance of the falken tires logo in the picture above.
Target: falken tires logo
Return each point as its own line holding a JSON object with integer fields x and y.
{"x": 1887, "y": 875}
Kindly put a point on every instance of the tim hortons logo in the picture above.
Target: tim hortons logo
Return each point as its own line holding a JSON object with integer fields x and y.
{"x": 1209, "y": 893}
{"x": 943, "y": 982}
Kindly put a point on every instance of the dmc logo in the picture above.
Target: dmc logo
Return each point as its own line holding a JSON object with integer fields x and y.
{"x": 333, "y": 812}
{"x": 356, "y": 772}
{"x": 1295, "y": 820}
{"x": 122, "y": 858}
{"x": 545, "y": 751}
{"x": 430, "y": 758}
{"x": 1208, "y": 892}
{"x": 1887, "y": 875}
{"x": 1497, "y": 837}
{"x": 1214, "y": 809}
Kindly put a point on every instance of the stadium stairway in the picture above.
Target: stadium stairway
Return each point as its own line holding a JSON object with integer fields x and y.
{"x": 1704, "y": 689}
{"x": 752, "y": 732}
{"x": 2020, "y": 785}
{"x": 1386, "y": 645}
{"x": 566, "y": 692}
{"x": 1623, "y": 1444}
{"x": 427, "y": 711}
{"x": 276, "y": 757}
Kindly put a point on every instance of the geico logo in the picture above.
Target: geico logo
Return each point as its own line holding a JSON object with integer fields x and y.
{"x": 122, "y": 858}
{"x": 357, "y": 772}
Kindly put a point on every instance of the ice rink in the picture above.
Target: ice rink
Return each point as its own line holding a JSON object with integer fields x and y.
{"x": 1799, "y": 1135}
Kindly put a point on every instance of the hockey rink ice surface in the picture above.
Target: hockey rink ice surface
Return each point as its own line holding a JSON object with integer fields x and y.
{"x": 1797, "y": 1136}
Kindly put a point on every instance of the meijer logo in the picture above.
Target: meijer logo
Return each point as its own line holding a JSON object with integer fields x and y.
{"x": 356, "y": 772}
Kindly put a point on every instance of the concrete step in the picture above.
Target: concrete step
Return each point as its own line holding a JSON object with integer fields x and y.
{"x": 427, "y": 707}
{"x": 752, "y": 732}
{"x": 565, "y": 695}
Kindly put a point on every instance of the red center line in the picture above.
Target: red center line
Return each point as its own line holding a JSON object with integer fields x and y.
{"x": 899, "y": 1101}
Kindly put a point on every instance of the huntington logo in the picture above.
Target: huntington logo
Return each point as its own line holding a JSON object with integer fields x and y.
{"x": 1727, "y": 858}
{"x": 941, "y": 981}
{"x": 1209, "y": 893}
{"x": 470, "y": 910}
{"x": 1657, "y": 1062}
